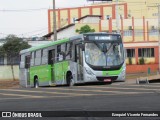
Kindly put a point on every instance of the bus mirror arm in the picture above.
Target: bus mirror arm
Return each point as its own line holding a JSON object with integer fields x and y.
{"x": 82, "y": 47}
{"x": 125, "y": 53}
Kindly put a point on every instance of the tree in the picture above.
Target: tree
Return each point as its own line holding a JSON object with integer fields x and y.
{"x": 11, "y": 48}
{"x": 85, "y": 29}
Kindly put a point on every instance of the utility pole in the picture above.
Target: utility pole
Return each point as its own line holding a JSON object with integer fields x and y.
{"x": 117, "y": 17}
{"x": 159, "y": 34}
{"x": 54, "y": 21}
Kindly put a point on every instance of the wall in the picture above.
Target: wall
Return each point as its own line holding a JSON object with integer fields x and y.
{"x": 66, "y": 33}
{"x": 139, "y": 8}
{"x": 90, "y": 20}
{"x": 6, "y": 72}
{"x": 92, "y": 26}
{"x": 141, "y": 68}
{"x": 65, "y": 15}
{"x": 143, "y": 26}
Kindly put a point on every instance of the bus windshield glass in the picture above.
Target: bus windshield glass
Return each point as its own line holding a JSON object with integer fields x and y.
{"x": 104, "y": 54}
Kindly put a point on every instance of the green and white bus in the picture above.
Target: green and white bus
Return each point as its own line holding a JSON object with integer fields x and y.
{"x": 90, "y": 57}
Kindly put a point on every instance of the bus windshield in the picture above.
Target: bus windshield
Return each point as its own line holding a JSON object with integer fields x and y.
{"x": 104, "y": 54}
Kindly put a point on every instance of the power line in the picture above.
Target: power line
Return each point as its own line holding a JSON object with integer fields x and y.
{"x": 23, "y": 10}
{"x": 29, "y": 34}
{"x": 46, "y": 28}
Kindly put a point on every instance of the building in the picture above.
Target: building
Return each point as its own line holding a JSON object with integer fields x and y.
{"x": 137, "y": 22}
{"x": 64, "y": 32}
{"x": 126, "y": 9}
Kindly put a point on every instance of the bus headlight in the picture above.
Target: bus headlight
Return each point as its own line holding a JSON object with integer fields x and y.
{"x": 88, "y": 70}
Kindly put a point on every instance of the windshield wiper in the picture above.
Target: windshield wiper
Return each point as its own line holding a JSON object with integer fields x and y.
{"x": 102, "y": 47}
{"x": 109, "y": 47}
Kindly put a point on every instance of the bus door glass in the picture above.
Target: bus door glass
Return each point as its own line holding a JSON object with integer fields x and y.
{"x": 51, "y": 60}
{"x": 79, "y": 60}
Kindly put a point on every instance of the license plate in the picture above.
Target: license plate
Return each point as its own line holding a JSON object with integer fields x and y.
{"x": 107, "y": 80}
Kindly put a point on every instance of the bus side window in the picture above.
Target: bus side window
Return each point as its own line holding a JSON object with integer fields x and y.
{"x": 32, "y": 58}
{"x": 68, "y": 51}
{"x": 51, "y": 56}
{"x": 27, "y": 61}
{"x": 38, "y": 57}
{"x": 60, "y": 53}
{"x": 44, "y": 56}
{"x": 63, "y": 51}
{"x": 22, "y": 61}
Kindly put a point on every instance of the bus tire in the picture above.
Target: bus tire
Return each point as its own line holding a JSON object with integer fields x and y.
{"x": 36, "y": 84}
{"x": 69, "y": 79}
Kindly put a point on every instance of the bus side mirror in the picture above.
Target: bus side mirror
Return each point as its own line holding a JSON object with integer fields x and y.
{"x": 82, "y": 47}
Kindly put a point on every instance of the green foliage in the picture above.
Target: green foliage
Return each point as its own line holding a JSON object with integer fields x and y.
{"x": 141, "y": 61}
{"x": 85, "y": 29}
{"x": 130, "y": 61}
{"x": 13, "y": 45}
{"x": 1, "y": 51}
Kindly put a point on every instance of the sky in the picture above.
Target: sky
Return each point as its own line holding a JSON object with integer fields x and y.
{"x": 29, "y": 18}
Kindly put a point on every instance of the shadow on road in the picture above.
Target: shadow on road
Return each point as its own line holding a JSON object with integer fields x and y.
{"x": 154, "y": 81}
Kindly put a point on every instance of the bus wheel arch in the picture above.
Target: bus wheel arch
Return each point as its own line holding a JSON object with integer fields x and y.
{"x": 36, "y": 83}
{"x": 69, "y": 78}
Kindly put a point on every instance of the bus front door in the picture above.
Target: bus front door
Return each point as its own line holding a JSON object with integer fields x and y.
{"x": 79, "y": 60}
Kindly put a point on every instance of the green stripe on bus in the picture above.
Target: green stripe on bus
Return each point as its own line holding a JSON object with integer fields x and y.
{"x": 43, "y": 72}
{"x": 61, "y": 69}
{"x": 112, "y": 73}
{"x": 49, "y": 44}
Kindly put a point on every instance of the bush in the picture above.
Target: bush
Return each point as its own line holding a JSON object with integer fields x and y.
{"x": 130, "y": 61}
{"x": 141, "y": 61}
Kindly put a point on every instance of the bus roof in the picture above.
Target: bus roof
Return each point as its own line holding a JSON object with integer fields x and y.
{"x": 63, "y": 41}
{"x": 44, "y": 46}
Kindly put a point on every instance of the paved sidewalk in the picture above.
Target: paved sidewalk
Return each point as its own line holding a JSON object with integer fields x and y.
{"x": 9, "y": 84}
{"x": 132, "y": 78}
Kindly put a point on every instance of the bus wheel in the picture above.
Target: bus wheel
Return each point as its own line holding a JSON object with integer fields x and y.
{"x": 70, "y": 81}
{"x": 36, "y": 85}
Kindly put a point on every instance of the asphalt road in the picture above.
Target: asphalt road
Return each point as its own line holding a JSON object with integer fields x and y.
{"x": 115, "y": 97}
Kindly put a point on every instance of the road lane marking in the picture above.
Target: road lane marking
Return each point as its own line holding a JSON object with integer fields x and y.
{"x": 139, "y": 85}
{"x": 68, "y": 96}
{"x": 99, "y": 91}
{"x": 33, "y": 97}
{"x": 120, "y": 88}
{"x": 73, "y": 94}
{"x": 99, "y": 88}
{"x": 20, "y": 95}
{"x": 12, "y": 98}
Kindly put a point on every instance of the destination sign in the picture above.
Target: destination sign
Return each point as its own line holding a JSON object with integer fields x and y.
{"x": 103, "y": 37}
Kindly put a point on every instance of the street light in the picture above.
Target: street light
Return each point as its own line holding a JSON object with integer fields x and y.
{"x": 54, "y": 21}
